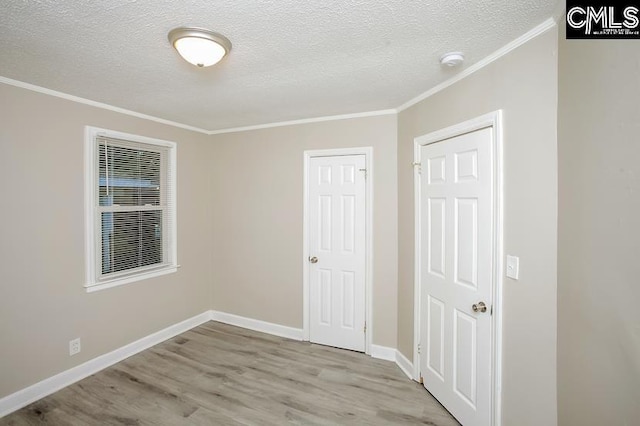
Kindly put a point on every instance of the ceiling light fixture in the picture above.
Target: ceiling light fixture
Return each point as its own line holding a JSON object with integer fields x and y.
{"x": 198, "y": 46}
{"x": 452, "y": 59}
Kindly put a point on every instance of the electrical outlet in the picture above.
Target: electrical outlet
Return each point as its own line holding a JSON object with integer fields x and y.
{"x": 74, "y": 346}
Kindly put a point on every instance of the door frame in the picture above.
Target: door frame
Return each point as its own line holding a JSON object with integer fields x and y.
{"x": 493, "y": 120}
{"x": 368, "y": 279}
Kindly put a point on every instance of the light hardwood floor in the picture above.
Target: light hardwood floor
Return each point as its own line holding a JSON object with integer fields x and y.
{"x": 217, "y": 374}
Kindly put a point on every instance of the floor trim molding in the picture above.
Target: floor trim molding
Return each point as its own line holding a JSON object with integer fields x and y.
{"x": 383, "y": 352}
{"x": 405, "y": 365}
{"x": 257, "y": 325}
{"x": 377, "y": 351}
{"x": 390, "y": 354}
{"x": 46, "y": 387}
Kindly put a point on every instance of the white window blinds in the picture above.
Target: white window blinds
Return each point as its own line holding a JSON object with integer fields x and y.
{"x": 133, "y": 210}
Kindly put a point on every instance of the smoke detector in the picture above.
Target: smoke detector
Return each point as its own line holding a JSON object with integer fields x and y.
{"x": 452, "y": 59}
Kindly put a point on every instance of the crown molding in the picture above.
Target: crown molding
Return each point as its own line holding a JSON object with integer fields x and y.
{"x": 529, "y": 35}
{"x": 78, "y": 99}
{"x": 306, "y": 121}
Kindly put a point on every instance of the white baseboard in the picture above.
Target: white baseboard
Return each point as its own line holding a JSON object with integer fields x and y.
{"x": 383, "y": 352}
{"x": 405, "y": 365}
{"x": 377, "y": 351}
{"x": 393, "y": 355}
{"x": 48, "y": 386}
{"x": 257, "y": 325}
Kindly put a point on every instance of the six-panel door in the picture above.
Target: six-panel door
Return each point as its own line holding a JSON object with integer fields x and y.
{"x": 456, "y": 223}
{"x": 337, "y": 240}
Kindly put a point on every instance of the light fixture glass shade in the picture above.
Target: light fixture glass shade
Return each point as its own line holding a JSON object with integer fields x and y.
{"x": 198, "y": 46}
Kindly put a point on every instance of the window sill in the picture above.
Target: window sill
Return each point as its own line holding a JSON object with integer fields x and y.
{"x": 103, "y": 285}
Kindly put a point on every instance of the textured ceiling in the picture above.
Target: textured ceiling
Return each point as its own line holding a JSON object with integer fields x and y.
{"x": 290, "y": 60}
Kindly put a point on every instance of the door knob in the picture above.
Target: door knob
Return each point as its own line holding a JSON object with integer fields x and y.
{"x": 479, "y": 307}
{"x": 313, "y": 259}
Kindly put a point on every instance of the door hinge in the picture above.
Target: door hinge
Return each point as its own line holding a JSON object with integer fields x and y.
{"x": 419, "y": 348}
{"x": 419, "y": 167}
{"x": 365, "y": 172}
{"x": 365, "y": 327}
{"x": 491, "y": 310}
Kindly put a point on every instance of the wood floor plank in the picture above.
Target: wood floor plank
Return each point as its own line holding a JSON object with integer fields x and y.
{"x": 217, "y": 374}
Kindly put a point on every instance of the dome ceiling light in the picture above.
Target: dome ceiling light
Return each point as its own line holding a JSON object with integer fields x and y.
{"x": 198, "y": 46}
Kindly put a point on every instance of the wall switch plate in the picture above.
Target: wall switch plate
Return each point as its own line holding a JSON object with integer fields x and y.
{"x": 74, "y": 346}
{"x": 513, "y": 267}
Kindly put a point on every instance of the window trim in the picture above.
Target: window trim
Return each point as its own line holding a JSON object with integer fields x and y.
{"x": 93, "y": 282}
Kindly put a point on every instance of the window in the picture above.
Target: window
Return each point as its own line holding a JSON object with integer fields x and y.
{"x": 130, "y": 208}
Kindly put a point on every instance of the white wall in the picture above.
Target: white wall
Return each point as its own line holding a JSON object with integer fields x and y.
{"x": 240, "y": 228}
{"x": 43, "y": 303}
{"x": 599, "y": 233}
{"x": 257, "y": 215}
{"x": 524, "y": 85}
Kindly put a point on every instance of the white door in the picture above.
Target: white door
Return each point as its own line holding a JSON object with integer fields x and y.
{"x": 456, "y": 226}
{"x": 337, "y": 251}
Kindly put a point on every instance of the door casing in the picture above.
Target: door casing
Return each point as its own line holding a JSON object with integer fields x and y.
{"x": 494, "y": 120}
{"x": 368, "y": 153}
